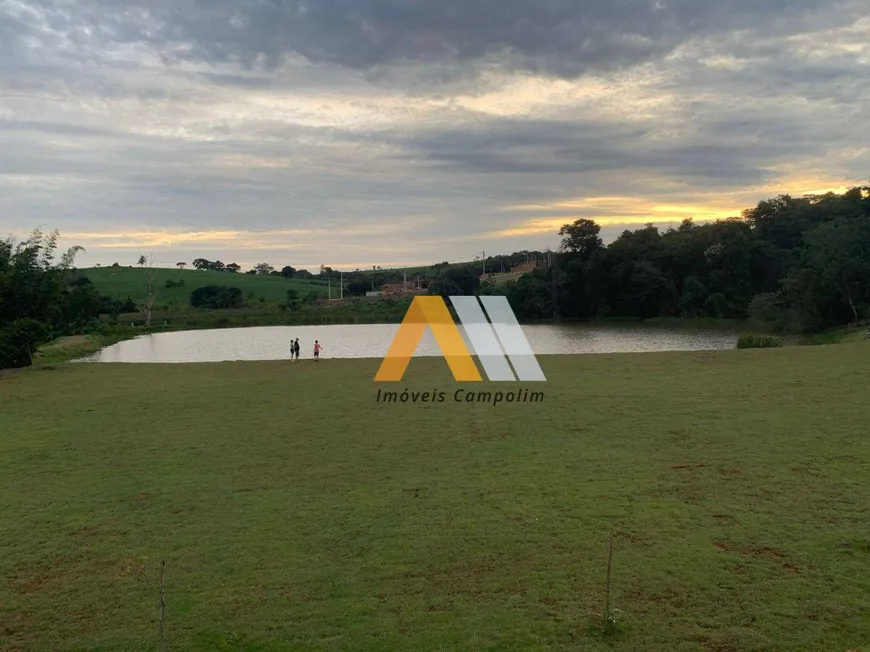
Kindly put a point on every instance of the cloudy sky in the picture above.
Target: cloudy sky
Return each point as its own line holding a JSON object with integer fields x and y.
{"x": 359, "y": 132}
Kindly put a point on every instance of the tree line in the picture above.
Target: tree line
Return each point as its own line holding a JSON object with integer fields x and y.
{"x": 799, "y": 264}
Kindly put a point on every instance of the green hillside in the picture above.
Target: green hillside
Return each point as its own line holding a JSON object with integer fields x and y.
{"x": 121, "y": 282}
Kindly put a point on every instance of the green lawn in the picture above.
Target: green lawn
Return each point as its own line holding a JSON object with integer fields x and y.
{"x": 121, "y": 282}
{"x": 296, "y": 513}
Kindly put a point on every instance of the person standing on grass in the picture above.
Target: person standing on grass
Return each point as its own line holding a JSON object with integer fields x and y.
{"x": 317, "y": 348}
{"x": 296, "y": 348}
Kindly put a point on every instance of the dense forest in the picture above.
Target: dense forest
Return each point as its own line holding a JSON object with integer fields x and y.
{"x": 791, "y": 264}
{"x": 794, "y": 264}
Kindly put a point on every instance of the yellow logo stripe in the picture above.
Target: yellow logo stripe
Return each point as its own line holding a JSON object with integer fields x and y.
{"x": 432, "y": 312}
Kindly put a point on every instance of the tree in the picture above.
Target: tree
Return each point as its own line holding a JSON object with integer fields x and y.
{"x": 263, "y": 268}
{"x": 201, "y": 263}
{"x": 839, "y": 253}
{"x": 288, "y": 271}
{"x": 251, "y": 272}
{"x": 147, "y": 304}
{"x": 581, "y": 237}
{"x": 358, "y": 288}
{"x": 462, "y": 280}
{"x": 444, "y": 287}
{"x": 40, "y": 297}
{"x": 233, "y": 268}
{"x": 181, "y": 265}
{"x": 19, "y": 340}
{"x": 80, "y": 304}
{"x": 216, "y": 297}
{"x": 111, "y": 307}
{"x": 292, "y": 299}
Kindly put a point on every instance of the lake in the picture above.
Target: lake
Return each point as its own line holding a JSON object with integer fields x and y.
{"x": 373, "y": 340}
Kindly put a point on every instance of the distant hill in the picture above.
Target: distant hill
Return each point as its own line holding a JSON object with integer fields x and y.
{"x": 121, "y": 282}
{"x": 501, "y": 279}
{"x": 499, "y": 264}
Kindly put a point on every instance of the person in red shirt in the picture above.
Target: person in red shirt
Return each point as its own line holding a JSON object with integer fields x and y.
{"x": 317, "y": 349}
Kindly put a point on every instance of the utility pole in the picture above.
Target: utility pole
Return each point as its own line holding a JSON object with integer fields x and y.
{"x": 555, "y": 295}
{"x": 341, "y": 277}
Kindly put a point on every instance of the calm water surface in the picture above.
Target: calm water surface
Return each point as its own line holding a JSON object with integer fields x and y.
{"x": 373, "y": 340}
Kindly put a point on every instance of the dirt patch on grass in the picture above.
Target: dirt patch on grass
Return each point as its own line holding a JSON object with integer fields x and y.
{"x": 770, "y": 553}
{"x": 776, "y": 555}
{"x": 31, "y": 578}
{"x": 142, "y": 501}
{"x": 720, "y": 647}
{"x": 105, "y": 528}
{"x": 678, "y": 435}
{"x": 13, "y": 624}
{"x": 680, "y": 467}
{"x": 667, "y": 597}
{"x": 631, "y": 537}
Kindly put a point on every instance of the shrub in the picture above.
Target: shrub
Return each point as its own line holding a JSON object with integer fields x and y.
{"x": 755, "y": 341}
{"x": 216, "y": 297}
{"x": 19, "y": 340}
{"x": 129, "y": 306}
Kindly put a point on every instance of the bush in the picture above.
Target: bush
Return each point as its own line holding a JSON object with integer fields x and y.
{"x": 129, "y": 306}
{"x": 215, "y": 297}
{"x": 19, "y": 340}
{"x": 755, "y": 341}
{"x": 174, "y": 284}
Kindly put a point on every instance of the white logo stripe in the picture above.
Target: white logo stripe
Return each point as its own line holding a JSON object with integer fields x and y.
{"x": 483, "y": 339}
{"x": 512, "y": 338}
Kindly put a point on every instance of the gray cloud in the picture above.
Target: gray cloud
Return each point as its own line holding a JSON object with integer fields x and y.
{"x": 400, "y": 127}
{"x": 562, "y": 37}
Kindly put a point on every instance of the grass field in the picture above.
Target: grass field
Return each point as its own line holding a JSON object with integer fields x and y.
{"x": 296, "y": 513}
{"x": 507, "y": 277}
{"x": 121, "y": 282}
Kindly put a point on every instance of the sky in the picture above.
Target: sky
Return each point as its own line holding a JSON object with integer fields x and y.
{"x": 353, "y": 133}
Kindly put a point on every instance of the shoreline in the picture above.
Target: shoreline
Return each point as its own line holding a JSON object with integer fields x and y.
{"x": 76, "y": 347}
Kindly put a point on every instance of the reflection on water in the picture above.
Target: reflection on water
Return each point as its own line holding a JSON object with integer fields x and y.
{"x": 373, "y": 340}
